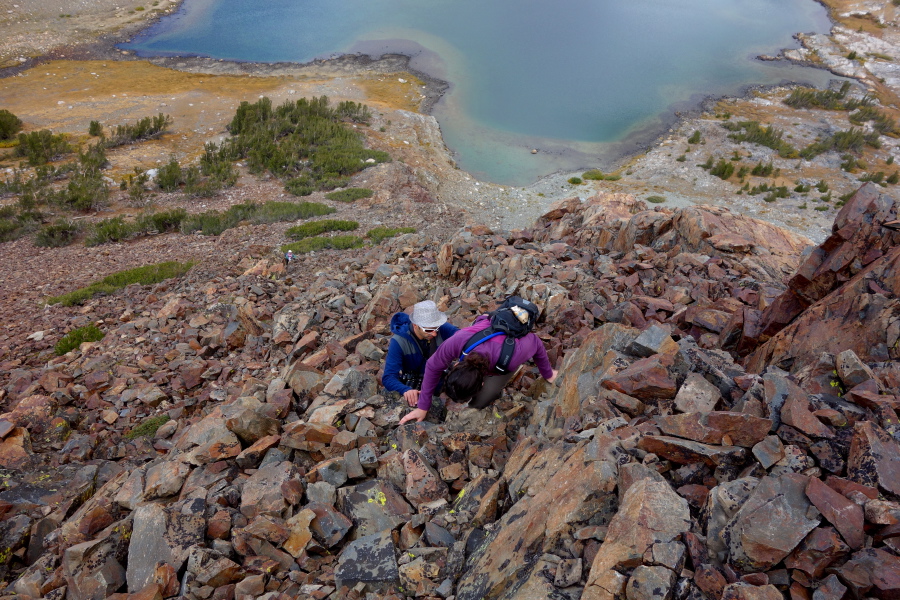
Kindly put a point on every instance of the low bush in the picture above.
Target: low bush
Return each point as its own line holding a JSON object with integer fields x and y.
{"x": 162, "y": 222}
{"x": 58, "y": 234}
{"x": 95, "y": 129}
{"x": 695, "y": 137}
{"x": 74, "y": 339}
{"x": 851, "y": 140}
{"x": 115, "y": 229}
{"x": 593, "y": 175}
{"x": 145, "y": 129}
{"x": 146, "y": 275}
{"x": 770, "y": 137}
{"x": 762, "y": 170}
{"x": 350, "y": 194}
{"x": 10, "y": 125}
{"x": 656, "y": 199}
{"x": 169, "y": 177}
{"x": 148, "y": 427}
{"x": 338, "y": 242}
{"x": 41, "y": 147}
{"x": 379, "y": 234}
{"x": 827, "y": 99}
{"x": 575, "y": 180}
{"x": 314, "y": 228}
{"x": 722, "y": 169}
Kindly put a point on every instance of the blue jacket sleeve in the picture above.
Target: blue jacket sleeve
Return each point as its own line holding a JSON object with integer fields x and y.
{"x": 393, "y": 365}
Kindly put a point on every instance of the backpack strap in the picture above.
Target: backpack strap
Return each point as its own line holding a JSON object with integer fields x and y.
{"x": 506, "y": 352}
{"x": 408, "y": 347}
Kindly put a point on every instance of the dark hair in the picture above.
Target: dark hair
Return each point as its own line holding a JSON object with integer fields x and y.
{"x": 466, "y": 378}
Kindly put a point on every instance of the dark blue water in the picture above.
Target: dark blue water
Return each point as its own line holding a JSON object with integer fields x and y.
{"x": 584, "y": 81}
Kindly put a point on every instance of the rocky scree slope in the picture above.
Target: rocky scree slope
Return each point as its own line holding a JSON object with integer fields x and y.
{"x": 694, "y": 447}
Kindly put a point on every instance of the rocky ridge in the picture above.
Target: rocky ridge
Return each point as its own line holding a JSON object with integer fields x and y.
{"x": 724, "y": 424}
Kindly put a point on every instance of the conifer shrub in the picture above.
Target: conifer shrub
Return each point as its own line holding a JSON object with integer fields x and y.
{"x": 694, "y": 138}
{"x": 350, "y": 194}
{"x": 169, "y": 176}
{"x": 74, "y": 339}
{"x": 114, "y": 229}
{"x": 41, "y": 147}
{"x": 305, "y": 143}
{"x": 893, "y": 178}
{"x": 146, "y": 275}
{"x": 722, "y": 169}
{"x": 313, "y": 228}
{"x": 10, "y": 125}
{"x": 58, "y": 234}
{"x": 95, "y": 129}
{"x": 770, "y": 137}
{"x": 145, "y": 129}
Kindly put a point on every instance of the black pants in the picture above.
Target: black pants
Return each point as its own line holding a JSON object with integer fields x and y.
{"x": 491, "y": 390}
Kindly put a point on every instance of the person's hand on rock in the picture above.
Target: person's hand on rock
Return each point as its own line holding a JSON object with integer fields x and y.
{"x": 416, "y": 415}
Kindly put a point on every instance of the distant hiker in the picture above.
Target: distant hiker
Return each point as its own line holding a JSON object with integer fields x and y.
{"x": 489, "y": 353}
{"x": 416, "y": 338}
{"x": 288, "y": 257}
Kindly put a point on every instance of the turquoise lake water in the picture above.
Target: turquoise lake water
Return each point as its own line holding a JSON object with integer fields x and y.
{"x": 583, "y": 81}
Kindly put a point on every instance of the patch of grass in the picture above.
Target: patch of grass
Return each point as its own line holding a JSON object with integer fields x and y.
{"x": 575, "y": 180}
{"x": 694, "y": 138}
{"x": 148, "y": 427}
{"x": 656, "y": 199}
{"x": 350, "y": 194}
{"x": 682, "y": 158}
{"x": 338, "y": 242}
{"x": 593, "y": 175}
{"x": 214, "y": 223}
{"x": 74, "y": 339}
{"x": 379, "y": 234}
{"x": 314, "y": 228}
{"x": 146, "y": 275}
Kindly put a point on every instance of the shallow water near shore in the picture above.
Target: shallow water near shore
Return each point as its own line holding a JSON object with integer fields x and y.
{"x": 584, "y": 82}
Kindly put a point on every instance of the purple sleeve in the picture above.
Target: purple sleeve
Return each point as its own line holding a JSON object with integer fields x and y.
{"x": 542, "y": 360}
{"x": 443, "y": 357}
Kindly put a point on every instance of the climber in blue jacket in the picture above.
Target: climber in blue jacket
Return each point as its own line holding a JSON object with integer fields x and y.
{"x": 415, "y": 339}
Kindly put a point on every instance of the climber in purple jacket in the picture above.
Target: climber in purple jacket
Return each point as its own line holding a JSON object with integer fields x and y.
{"x": 473, "y": 380}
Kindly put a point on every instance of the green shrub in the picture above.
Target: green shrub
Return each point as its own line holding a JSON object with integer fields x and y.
{"x": 851, "y": 140}
{"x": 84, "y": 192}
{"x": 146, "y": 275}
{"x": 695, "y": 137}
{"x": 656, "y": 199}
{"x": 95, "y": 129}
{"x": 273, "y": 212}
{"x": 722, "y": 169}
{"x": 575, "y": 180}
{"x": 350, "y": 194}
{"x": 802, "y": 188}
{"x": 303, "y": 142}
{"x": 890, "y": 160}
{"x": 214, "y": 223}
{"x": 821, "y": 208}
{"x": 148, "y": 427}
{"x": 10, "y": 125}
{"x": 822, "y": 186}
{"x": 827, "y": 99}
{"x": 58, "y": 234}
{"x": 876, "y": 177}
{"x": 169, "y": 177}
{"x": 682, "y": 158}
{"x": 314, "y": 228}
{"x": 613, "y": 177}
{"x": 770, "y": 137}
{"x": 338, "y": 242}
{"x": 356, "y": 112}
{"x": 145, "y": 129}
{"x": 208, "y": 223}
{"x": 74, "y": 339}
{"x": 893, "y": 178}
{"x": 114, "y": 229}
{"x": 162, "y": 222}
{"x": 762, "y": 170}
{"x": 41, "y": 147}
{"x": 593, "y": 175}
{"x": 381, "y": 233}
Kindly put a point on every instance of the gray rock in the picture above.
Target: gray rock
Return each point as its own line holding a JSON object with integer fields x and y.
{"x": 371, "y": 560}
{"x": 650, "y": 583}
{"x": 161, "y": 535}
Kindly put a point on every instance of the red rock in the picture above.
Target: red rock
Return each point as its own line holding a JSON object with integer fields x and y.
{"x": 846, "y": 516}
{"x": 872, "y": 572}
{"x": 646, "y": 379}
{"x": 821, "y": 548}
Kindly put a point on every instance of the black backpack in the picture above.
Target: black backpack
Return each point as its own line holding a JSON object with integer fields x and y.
{"x": 515, "y": 318}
